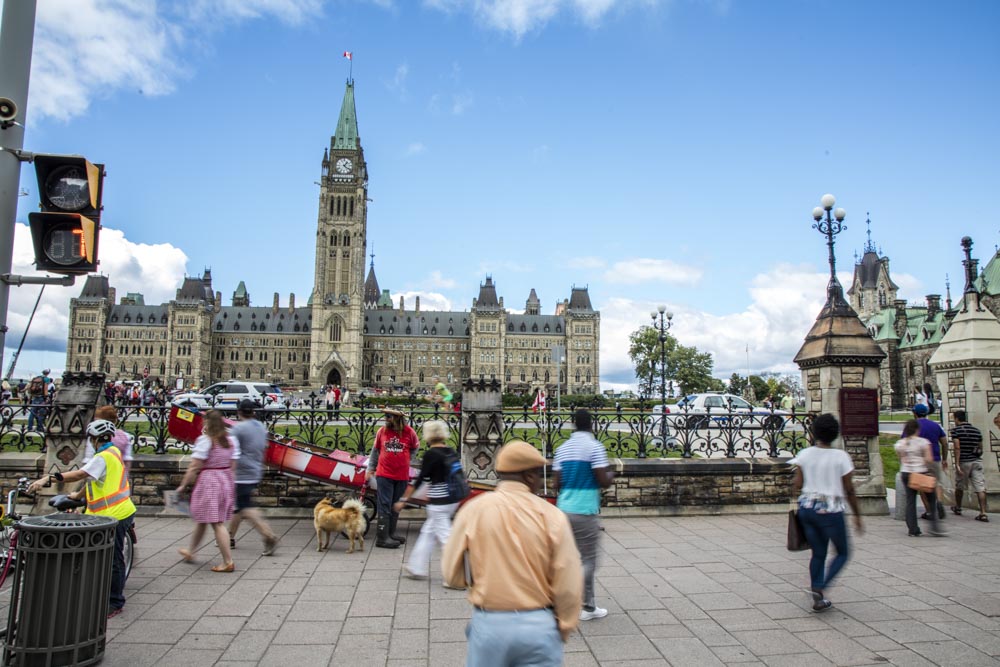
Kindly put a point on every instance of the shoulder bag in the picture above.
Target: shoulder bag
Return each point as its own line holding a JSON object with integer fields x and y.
{"x": 796, "y": 535}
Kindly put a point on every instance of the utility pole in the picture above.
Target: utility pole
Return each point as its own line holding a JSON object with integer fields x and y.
{"x": 17, "y": 34}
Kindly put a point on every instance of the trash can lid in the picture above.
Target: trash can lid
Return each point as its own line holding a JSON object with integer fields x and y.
{"x": 67, "y": 521}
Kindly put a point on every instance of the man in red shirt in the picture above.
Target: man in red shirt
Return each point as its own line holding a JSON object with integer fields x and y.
{"x": 395, "y": 444}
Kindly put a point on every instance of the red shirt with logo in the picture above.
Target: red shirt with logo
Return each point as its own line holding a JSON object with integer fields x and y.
{"x": 394, "y": 452}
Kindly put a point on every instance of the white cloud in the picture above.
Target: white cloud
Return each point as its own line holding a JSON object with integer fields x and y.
{"x": 460, "y": 102}
{"x": 154, "y": 270}
{"x": 499, "y": 266}
{"x": 438, "y": 281}
{"x": 416, "y": 148}
{"x": 519, "y": 17}
{"x": 785, "y": 303}
{"x": 586, "y": 263}
{"x": 398, "y": 83}
{"x": 85, "y": 48}
{"x": 642, "y": 270}
{"x": 428, "y": 300}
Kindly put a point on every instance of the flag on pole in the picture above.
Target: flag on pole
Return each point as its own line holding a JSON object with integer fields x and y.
{"x": 539, "y": 404}
{"x": 348, "y": 55}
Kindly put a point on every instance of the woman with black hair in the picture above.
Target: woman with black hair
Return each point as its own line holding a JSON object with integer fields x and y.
{"x": 824, "y": 487}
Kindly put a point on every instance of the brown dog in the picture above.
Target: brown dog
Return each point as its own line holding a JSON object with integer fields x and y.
{"x": 349, "y": 519}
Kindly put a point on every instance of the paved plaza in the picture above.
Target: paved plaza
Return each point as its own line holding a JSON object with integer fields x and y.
{"x": 680, "y": 591}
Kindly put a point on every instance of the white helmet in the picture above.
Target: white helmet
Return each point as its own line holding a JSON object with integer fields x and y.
{"x": 100, "y": 428}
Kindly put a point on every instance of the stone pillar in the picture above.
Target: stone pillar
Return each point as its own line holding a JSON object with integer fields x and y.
{"x": 839, "y": 353}
{"x": 966, "y": 366}
{"x": 66, "y": 428}
{"x": 482, "y": 428}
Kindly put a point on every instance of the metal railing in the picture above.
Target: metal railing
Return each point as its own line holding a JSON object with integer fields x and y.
{"x": 625, "y": 433}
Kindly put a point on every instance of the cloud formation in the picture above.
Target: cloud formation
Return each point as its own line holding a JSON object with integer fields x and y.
{"x": 644, "y": 270}
{"x": 85, "y": 48}
{"x": 428, "y": 300}
{"x": 519, "y": 17}
{"x": 156, "y": 271}
{"x": 415, "y": 148}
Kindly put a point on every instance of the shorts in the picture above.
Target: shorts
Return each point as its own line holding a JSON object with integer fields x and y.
{"x": 972, "y": 471}
{"x": 244, "y": 496}
{"x": 934, "y": 470}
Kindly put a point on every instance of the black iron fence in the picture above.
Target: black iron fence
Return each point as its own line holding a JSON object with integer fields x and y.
{"x": 625, "y": 433}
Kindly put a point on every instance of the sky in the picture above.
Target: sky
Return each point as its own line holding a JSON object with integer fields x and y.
{"x": 656, "y": 151}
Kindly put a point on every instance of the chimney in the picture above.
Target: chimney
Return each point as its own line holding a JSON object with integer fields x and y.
{"x": 274, "y": 308}
{"x": 417, "y": 306}
{"x": 401, "y": 309}
{"x": 501, "y": 303}
{"x": 933, "y": 305}
{"x": 291, "y": 302}
{"x": 900, "y": 305}
{"x": 218, "y": 302}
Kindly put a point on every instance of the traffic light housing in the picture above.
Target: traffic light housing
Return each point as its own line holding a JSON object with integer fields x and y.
{"x": 65, "y": 233}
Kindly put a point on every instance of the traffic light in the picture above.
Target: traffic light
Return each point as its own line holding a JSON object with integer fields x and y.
{"x": 66, "y": 232}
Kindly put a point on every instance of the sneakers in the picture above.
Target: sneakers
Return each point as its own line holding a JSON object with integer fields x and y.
{"x": 591, "y": 614}
{"x": 115, "y": 612}
{"x": 410, "y": 574}
{"x": 269, "y": 544}
{"x": 821, "y": 606}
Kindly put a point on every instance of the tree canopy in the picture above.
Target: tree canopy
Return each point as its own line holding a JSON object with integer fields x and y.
{"x": 688, "y": 368}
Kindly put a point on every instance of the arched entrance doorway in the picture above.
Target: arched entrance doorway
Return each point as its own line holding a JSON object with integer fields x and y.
{"x": 333, "y": 377}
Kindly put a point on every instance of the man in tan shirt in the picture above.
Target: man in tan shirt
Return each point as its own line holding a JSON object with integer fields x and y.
{"x": 525, "y": 579}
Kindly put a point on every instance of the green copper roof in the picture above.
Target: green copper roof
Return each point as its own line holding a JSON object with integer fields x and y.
{"x": 241, "y": 289}
{"x": 347, "y": 126}
{"x": 989, "y": 280}
{"x": 385, "y": 301}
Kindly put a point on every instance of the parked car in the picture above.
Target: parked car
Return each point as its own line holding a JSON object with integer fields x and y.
{"x": 227, "y": 395}
{"x": 659, "y": 427}
{"x": 701, "y": 408}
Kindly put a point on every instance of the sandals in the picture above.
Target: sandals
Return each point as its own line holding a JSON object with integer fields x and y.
{"x": 956, "y": 510}
{"x": 186, "y": 555}
{"x": 983, "y": 517}
{"x": 228, "y": 567}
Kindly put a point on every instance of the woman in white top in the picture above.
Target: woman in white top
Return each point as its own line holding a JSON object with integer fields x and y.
{"x": 823, "y": 483}
{"x": 915, "y": 455}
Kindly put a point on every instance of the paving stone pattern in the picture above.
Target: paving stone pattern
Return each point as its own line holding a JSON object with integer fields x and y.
{"x": 680, "y": 591}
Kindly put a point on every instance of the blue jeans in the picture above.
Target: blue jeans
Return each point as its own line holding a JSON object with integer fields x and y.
{"x": 118, "y": 564}
{"x": 37, "y": 414}
{"x": 513, "y": 639}
{"x": 389, "y": 491}
{"x": 820, "y": 530}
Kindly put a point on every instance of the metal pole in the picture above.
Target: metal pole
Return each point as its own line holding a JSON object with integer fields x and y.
{"x": 17, "y": 33}
{"x": 13, "y": 361}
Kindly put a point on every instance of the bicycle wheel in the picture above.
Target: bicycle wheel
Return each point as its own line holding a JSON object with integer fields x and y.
{"x": 129, "y": 551}
{"x": 6, "y": 532}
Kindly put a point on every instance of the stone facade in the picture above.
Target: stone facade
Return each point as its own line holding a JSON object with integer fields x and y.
{"x": 349, "y": 333}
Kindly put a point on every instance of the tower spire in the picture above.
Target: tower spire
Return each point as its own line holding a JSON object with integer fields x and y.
{"x": 947, "y": 288}
{"x": 346, "y": 135}
{"x": 869, "y": 246}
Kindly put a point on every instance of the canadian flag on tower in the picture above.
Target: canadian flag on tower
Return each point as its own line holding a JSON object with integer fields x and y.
{"x": 347, "y": 54}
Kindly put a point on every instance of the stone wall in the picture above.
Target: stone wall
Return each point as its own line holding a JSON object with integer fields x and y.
{"x": 642, "y": 486}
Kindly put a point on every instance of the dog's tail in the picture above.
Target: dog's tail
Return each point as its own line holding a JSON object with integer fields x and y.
{"x": 354, "y": 505}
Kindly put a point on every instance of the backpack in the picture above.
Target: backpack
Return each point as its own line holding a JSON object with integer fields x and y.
{"x": 458, "y": 485}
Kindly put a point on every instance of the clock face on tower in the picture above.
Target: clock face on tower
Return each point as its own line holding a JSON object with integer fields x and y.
{"x": 344, "y": 166}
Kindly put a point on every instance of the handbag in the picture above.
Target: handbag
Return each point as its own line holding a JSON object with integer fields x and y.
{"x": 796, "y": 535}
{"x": 918, "y": 481}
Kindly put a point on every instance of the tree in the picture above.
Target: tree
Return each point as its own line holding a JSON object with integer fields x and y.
{"x": 690, "y": 369}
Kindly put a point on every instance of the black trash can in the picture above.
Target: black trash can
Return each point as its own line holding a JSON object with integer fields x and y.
{"x": 60, "y": 594}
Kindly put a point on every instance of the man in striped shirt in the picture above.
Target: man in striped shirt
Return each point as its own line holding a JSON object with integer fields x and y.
{"x": 968, "y": 444}
{"x": 581, "y": 470}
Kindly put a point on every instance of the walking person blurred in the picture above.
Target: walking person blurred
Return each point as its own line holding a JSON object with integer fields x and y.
{"x": 389, "y": 462}
{"x": 825, "y": 489}
{"x": 580, "y": 470}
{"x": 932, "y": 432}
{"x": 916, "y": 456}
{"x": 211, "y": 473}
{"x": 968, "y": 442}
{"x": 252, "y": 437}
{"x": 516, "y": 555}
{"x": 434, "y": 472}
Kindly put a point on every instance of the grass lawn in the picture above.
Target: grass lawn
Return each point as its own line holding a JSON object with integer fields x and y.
{"x": 890, "y": 462}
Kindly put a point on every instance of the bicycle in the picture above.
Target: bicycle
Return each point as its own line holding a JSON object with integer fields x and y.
{"x": 10, "y": 520}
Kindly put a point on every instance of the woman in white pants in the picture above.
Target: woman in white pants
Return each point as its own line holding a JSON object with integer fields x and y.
{"x": 434, "y": 472}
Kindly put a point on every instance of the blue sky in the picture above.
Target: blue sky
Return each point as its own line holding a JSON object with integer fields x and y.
{"x": 656, "y": 151}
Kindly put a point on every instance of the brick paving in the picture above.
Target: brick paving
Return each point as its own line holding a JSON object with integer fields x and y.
{"x": 680, "y": 591}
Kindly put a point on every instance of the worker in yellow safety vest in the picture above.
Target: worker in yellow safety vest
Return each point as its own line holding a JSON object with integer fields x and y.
{"x": 108, "y": 494}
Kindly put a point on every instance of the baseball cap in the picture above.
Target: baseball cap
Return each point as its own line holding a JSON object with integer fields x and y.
{"x": 246, "y": 405}
{"x": 920, "y": 409}
{"x": 518, "y": 456}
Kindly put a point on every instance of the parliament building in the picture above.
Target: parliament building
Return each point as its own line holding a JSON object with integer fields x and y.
{"x": 348, "y": 333}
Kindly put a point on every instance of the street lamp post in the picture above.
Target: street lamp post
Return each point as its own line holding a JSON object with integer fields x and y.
{"x": 662, "y": 319}
{"x": 829, "y": 222}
